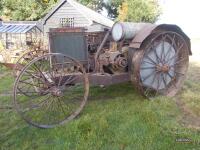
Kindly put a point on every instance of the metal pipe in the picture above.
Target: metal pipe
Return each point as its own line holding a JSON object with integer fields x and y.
{"x": 100, "y": 48}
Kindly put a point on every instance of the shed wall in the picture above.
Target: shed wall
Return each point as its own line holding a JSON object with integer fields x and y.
{"x": 66, "y": 11}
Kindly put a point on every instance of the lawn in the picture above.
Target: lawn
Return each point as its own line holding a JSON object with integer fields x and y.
{"x": 115, "y": 118}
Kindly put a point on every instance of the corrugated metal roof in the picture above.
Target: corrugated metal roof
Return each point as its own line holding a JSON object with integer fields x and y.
{"x": 87, "y": 12}
{"x": 16, "y": 28}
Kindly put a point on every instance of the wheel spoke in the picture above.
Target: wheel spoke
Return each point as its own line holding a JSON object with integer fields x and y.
{"x": 164, "y": 81}
{"x": 157, "y": 57}
{"x": 163, "y": 48}
{"x": 179, "y": 61}
{"x": 46, "y": 107}
{"x": 42, "y": 74}
{"x": 70, "y": 79}
{"x": 158, "y": 85}
{"x": 51, "y": 69}
{"x": 147, "y": 77}
{"x": 43, "y": 101}
{"x": 170, "y": 75}
{"x": 151, "y": 60}
{"x": 62, "y": 74}
{"x": 62, "y": 108}
{"x": 30, "y": 103}
{"x": 172, "y": 45}
{"x": 178, "y": 72}
{"x": 29, "y": 83}
{"x": 146, "y": 68}
{"x": 176, "y": 55}
{"x": 173, "y": 57}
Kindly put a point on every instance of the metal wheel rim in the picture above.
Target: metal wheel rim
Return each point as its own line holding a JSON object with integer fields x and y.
{"x": 72, "y": 115}
{"x": 172, "y": 87}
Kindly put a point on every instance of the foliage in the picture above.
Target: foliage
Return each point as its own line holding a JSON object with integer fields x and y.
{"x": 96, "y": 5}
{"x": 128, "y": 10}
{"x": 139, "y": 11}
{"x": 123, "y": 11}
{"x": 1, "y": 7}
{"x": 25, "y": 10}
{"x": 112, "y": 8}
{"x": 6, "y": 56}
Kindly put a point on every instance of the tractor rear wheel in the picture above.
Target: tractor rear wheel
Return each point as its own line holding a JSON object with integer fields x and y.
{"x": 160, "y": 67}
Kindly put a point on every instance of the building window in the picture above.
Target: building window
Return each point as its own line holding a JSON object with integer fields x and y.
{"x": 67, "y": 22}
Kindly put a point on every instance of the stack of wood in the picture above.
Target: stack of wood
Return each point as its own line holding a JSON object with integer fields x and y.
{"x": 11, "y": 56}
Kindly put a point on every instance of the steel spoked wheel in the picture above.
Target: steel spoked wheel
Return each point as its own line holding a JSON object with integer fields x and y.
{"x": 26, "y": 58}
{"x": 51, "y": 90}
{"x": 160, "y": 67}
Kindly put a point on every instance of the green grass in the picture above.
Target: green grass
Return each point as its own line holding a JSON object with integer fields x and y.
{"x": 190, "y": 93}
{"x": 7, "y": 84}
{"x": 115, "y": 118}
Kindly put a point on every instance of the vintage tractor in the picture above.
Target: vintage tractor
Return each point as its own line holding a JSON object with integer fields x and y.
{"x": 52, "y": 88}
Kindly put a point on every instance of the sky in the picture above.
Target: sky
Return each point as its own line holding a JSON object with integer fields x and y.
{"x": 184, "y": 13}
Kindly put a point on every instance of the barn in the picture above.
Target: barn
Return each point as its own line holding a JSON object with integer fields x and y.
{"x": 69, "y": 13}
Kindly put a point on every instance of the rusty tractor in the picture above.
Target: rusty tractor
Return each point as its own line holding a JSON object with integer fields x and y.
{"x": 52, "y": 88}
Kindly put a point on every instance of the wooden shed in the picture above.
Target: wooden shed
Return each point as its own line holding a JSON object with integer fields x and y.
{"x": 69, "y": 13}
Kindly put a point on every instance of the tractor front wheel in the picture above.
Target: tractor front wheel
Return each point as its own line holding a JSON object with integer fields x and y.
{"x": 51, "y": 90}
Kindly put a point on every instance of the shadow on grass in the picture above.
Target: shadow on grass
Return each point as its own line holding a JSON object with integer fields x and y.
{"x": 113, "y": 92}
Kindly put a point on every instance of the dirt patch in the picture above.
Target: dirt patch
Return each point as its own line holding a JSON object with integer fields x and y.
{"x": 5, "y": 94}
{"x": 2, "y": 75}
{"x": 2, "y": 108}
{"x": 188, "y": 119}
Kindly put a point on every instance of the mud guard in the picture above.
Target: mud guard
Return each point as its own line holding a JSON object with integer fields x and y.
{"x": 140, "y": 38}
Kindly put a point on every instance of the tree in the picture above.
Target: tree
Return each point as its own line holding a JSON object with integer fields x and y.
{"x": 26, "y": 10}
{"x": 96, "y": 5}
{"x": 127, "y": 10}
{"x": 123, "y": 10}
{"x": 112, "y": 7}
{"x": 139, "y": 11}
{"x": 1, "y": 7}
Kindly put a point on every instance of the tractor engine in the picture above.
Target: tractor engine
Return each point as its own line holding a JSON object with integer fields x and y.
{"x": 113, "y": 62}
